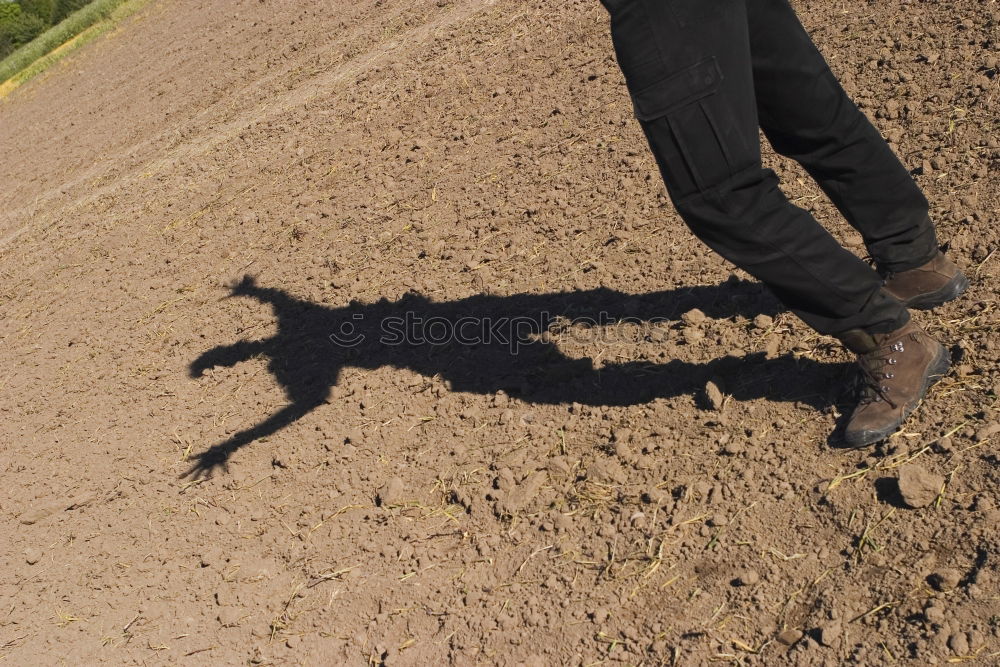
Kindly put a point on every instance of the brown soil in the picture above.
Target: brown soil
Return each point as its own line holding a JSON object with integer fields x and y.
{"x": 659, "y": 488}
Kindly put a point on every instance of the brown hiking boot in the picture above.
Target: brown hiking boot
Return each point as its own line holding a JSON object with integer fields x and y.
{"x": 928, "y": 286}
{"x": 896, "y": 370}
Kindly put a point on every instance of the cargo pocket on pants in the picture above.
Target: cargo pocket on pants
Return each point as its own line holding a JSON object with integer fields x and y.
{"x": 677, "y": 90}
{"x": 682, "y": 123}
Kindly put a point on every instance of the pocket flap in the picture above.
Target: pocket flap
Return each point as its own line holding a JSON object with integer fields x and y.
{"x": 677, "y": 90}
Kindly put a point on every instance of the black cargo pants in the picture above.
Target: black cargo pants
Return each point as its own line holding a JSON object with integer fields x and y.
{"x": 703, "y": 76}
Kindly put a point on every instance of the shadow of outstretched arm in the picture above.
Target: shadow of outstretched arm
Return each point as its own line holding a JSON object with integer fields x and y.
{"x": 217, "y": 456}
{"x": 227, "y": 355}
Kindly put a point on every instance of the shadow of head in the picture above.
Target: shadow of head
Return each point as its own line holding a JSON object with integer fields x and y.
{"x": 485, "y": 344}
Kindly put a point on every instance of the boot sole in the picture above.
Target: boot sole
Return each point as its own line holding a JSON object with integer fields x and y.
{"x": 950, "y": 291}
{"x": 937, "y": 369}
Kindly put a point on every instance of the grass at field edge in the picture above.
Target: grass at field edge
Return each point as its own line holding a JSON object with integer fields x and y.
{"x": 78, "y": 29}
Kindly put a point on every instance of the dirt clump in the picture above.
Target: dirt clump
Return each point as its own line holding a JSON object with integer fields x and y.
{"x": 918, "y": 487}
{"x": 945, "y": 580}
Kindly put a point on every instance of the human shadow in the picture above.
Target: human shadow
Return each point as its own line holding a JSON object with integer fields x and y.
{"x": 484, "y": 344}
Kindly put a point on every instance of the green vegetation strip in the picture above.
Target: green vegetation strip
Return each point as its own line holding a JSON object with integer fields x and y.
{"x": 86, "y": 24}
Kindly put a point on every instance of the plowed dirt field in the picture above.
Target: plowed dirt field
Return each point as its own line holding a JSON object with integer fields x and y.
{"x": 364, "y": 333}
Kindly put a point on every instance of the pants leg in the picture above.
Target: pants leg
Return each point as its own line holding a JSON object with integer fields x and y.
{"x": 688, "y": 67}
{"x": 807, "y": 116}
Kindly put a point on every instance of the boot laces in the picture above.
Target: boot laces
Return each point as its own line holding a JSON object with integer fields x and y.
{"x": 886, "y": 275}
{"x": 876, "y": 368}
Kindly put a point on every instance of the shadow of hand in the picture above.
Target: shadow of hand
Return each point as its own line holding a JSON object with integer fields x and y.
{"x": 207, "y": 463}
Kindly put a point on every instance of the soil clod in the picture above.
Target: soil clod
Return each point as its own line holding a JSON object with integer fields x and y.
{"x": 713, "y": 395}
{"x": 789, "y": 637}
{"x": 918, "y": 487}
{"x": 392, "y": 494}
{"x": 830, "y": 632}
{"x": 747, "y": 578}
{"x": 945, "y": 579}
